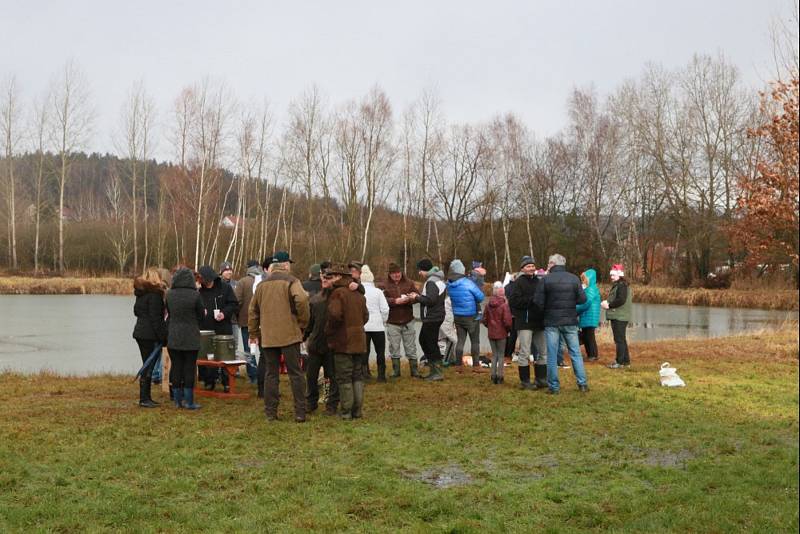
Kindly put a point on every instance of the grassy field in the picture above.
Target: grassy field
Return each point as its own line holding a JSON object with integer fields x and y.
{"x": 720, "y": 455}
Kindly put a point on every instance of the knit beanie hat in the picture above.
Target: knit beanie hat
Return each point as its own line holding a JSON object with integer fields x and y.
{"x": 424, "y": 265}
{"x": 366, "y": 274}
{"x": 497, "y": 285}
{"x": 315, "y": 269}
{"x": 526, "y": 260}
{"x": 457, "y": 267}
{"x": 617, "y": 270}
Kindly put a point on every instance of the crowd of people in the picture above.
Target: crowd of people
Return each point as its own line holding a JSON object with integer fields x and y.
{"x": 331, "y": 322}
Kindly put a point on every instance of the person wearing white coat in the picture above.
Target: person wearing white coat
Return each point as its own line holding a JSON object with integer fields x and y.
{"x": 378, "y": 308}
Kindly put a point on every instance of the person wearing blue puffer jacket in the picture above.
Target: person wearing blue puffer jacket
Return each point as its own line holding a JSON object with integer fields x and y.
{"x": 589, "y": 314}
{"x": 466, "y": 298}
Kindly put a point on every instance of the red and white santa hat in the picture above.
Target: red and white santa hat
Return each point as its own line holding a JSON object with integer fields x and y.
{"x": 617, "y": 270}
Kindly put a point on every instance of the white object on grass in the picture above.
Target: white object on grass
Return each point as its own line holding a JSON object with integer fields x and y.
{"x": 669, "y": 376}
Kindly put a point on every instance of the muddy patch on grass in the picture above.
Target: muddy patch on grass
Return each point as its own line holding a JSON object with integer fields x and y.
{"x": 448, "y": 476}
{"x": 667, "y": 459}
{"x": 252, "y": 463}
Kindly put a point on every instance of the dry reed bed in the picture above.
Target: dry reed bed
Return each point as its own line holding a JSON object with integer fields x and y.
{"x": 18, "y": 285}
{"x": 767, "y": 299}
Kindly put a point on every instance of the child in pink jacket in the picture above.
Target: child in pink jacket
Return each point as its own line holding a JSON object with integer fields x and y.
{"x": 498, "y": 320}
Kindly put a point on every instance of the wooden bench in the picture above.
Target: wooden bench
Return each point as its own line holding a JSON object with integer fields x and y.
{"x": 230, "y": 367}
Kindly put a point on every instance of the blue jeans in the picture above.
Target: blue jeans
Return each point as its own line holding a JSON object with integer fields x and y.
{"x": 252, "y": 367}
{"x": 570, "y": 335}
{"x": 157, "y": 368}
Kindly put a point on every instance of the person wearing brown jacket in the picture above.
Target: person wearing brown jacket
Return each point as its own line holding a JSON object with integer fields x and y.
{"x": 277, "y": 317}
{"x": 344, "y": 330}
{"x": 400, "y": 324}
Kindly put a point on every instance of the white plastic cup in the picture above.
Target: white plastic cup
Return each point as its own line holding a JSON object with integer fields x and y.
{"x": 254, "y": 350}
{"x": 216, "y": 315}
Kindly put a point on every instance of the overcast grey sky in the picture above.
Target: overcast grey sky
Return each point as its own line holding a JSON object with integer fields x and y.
{"x": 483, "y": 57}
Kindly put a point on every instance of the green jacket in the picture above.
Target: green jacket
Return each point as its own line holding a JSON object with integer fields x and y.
{"x": 620, "y": 300}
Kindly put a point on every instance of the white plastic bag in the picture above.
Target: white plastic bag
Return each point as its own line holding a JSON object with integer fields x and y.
{"x": 669, "y": 376}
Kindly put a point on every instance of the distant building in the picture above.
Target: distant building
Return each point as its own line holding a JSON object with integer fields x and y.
{"x": 68, "y": 215}
{"x": 231, "y": 221}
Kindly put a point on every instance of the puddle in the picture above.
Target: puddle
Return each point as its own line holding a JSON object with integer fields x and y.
{"x": 448, "y": 476}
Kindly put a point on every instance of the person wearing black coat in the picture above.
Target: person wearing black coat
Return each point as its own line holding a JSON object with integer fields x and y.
{"x": 558, "y": 294}
{"x": 150, "y": 329}
{"x": 185, "y": 312}
{"x": 319, "y": 354}
{"x": 216, "y": 295}
{"x": 529, "y": 323}
{"x": 432, "y": 311}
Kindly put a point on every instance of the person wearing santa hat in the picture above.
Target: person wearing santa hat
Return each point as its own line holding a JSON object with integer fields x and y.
{"x": 618, "y": 312}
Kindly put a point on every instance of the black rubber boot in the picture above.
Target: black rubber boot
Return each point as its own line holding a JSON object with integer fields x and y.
{"x": 412, "y": 365}
{"x": 436, "y": 374}
{"x": 540, "y": 373}
{"x": 395, "y": 367}
{"x": 144, "y": 393}
{"x": 382, "y": 374}
{"x": 525, "y": 378}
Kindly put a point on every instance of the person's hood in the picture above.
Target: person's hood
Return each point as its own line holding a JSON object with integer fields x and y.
{"x": 454, "y": 277}
{"x": 254, "y": 271}
{"x": 142, "y": 286}
{"x": 367, "y": 284}
{"x": 183, "y": 278}
{"x": 436, "y": 275}
{"x": 496, "y": 301}
{"x": 591, "y": 276}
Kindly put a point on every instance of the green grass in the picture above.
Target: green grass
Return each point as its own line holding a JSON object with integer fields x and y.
{"x": 718, "y": 456}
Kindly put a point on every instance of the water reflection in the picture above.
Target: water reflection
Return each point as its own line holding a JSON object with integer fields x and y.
{"x": 85, "y": 334}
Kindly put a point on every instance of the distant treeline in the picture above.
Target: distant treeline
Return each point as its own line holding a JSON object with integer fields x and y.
{"x": 649, "y": 176}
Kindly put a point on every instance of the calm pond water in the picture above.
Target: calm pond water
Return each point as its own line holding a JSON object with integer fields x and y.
{"x": 88, "y": 334}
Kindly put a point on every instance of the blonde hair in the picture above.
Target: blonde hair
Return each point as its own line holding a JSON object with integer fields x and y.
{"x": 152, "y": 276}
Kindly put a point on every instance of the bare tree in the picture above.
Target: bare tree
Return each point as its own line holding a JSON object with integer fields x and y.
{"x": 376, "y": 131}
{"x": 40, "y": 129}
{"x": 454, "y": 181}
{"x": 136, "y": 120}
{"x": 71, "y": 122}
{"x": 10, "y": 128}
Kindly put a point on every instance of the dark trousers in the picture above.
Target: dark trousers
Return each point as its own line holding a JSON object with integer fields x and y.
{"x": 511, "y": 341}
{"x": 184, "y": 367}
{"x": 589, "y": 341}
{"x": 146, "y": 347}
{"x": 378, "y": 340}
{"x": 429, "y": 341}
{"x": 261, "y": 373}
{"x": 619, "y": 329}
{"x": 313, "y": 364}
{"x": 291, "y": 354}
{"x": 210, "y": 375}
{"x": 349, "y": 377}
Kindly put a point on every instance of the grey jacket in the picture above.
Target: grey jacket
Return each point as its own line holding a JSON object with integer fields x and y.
{"x": 431, "y": 301}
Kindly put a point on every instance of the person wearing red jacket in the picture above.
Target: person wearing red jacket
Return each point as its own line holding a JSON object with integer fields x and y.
{"x": 498, "y": 320}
